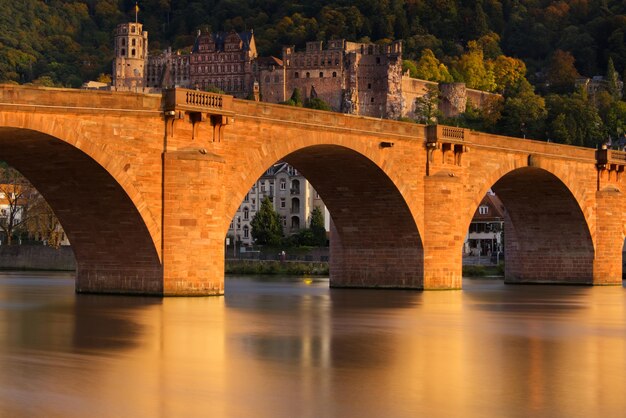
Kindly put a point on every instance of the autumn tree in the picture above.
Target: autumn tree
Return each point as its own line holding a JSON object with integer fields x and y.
{"x": 561, "y": 74}
{"x": 430, "y": 68}
{"x": 15, "y": 195}
{"x": 474, "y": 70}
{"x": 42, "y": 224}
{"x": 508, "y": 72}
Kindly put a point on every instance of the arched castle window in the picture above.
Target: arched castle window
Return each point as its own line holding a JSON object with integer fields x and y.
{"x": 334, "y": 74}
{"x": 308, "y": 75}
{"x": 321, "y": 74}
{"x": 123, "y": 51}
{"x": 132, "y": 52}
{"x": 133, "y": 42}
{"x": 123, "y": 41}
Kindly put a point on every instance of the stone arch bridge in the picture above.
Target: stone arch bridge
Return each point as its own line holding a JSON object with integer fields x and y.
{"x": 146, "y": 186}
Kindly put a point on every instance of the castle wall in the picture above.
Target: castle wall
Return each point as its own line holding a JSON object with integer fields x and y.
{"x": 413, "y": 88}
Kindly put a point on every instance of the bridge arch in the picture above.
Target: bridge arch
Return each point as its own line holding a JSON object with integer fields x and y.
{"x": 375, "y": 239}
{"x": 547, "y": 231}
{"x": 114, "y": 236}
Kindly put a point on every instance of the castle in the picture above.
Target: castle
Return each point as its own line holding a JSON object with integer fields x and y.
{"x": 355, "y": 78}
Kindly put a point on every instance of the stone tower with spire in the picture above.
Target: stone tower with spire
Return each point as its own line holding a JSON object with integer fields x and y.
{"x": 131, "y": 53}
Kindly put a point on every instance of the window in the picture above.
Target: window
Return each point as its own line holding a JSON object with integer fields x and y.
{"x": 246, "y": 232}
{"x": 132, "y": 52}
{"x": 372, "y": 100}
{"x": 245, "y": 199}
{"x": 123, "y": 41}
{"x": 377, "y": 60}
{"x": 283, "y": 203}
{"x": 132, "y": 29}
{"x": 283, "y": 184}
{"x": 296, "y": 75}
{"x": 123, "y": 52}
{"x": 308, "y": 75}
{"x": 246, "y": 214}
{"x": 295, "y": 187}
{"x": 295, "y": 222}
{"x": 133, "y": 42}
{"x": 369, "y": 85}
{"x": 334, "y": 74}
{"x": 321, "y": 74}
{"x": 483, "y": 210}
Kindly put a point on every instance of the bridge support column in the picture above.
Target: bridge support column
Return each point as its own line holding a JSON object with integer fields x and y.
{"x": 193, "y": 247}
{"x": 443, "y": 261}
{"x": 607, "y": 263}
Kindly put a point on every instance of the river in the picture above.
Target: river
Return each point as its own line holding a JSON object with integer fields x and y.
{"x": 292, "y": 348}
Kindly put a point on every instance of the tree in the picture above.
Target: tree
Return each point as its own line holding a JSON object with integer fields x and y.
{"x": 573, "y": 120}
{"x": 562, "y": 73}
{"x": 317, "y": 227}
{"x": 42, "y": 224}
{"x": 429, "y": 68}
{"x": 524, "y": 115}
{"x": 317, "y": 103}
{"x": 474, "y": 70}
{"x": 508, "y": 72}
{"x": 266, "y": 229}
{"x": 296, "y": 99}
{"x": 15, "y": 194}
{"x": 612, "y": 81}
{"x": 427, "y": 106}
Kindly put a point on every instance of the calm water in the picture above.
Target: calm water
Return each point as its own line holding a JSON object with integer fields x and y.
{"x": 295, "y": 349}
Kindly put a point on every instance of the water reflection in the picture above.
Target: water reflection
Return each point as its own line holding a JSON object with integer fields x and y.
{"x": 287, "y": 348}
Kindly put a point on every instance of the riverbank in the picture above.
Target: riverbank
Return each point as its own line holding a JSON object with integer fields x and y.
{"x": 299, "y": 268}
{"x": 36, "y": 257}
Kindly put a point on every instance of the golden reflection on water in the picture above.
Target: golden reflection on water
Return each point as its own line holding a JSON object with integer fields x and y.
{"x": 297, "y": 349}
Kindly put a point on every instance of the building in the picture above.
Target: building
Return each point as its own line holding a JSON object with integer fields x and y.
{"x": 131, "y": 52}
{"x": 292, "y": 196}
{"x": 224, "y": 61}
{"x": 357, "y": 78}
{"x": 485, "y": 235}
{"x": 168, "y": 69}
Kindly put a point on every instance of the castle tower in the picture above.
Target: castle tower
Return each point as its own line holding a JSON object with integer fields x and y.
{"x": 131, "y": 53}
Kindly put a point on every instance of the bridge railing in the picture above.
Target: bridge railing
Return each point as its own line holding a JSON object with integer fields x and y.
{"x": 437, "y": 133}
{"x": 198, "y": 101}
{"x": 606, "y": 156}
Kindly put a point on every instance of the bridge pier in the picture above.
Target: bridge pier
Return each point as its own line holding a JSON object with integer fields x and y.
{"x": 607, "y": 263}
{"x": 193, "y": 241}
{"x": 443, "y": 261}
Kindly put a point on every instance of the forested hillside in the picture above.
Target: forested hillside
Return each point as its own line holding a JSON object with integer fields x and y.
{"x": 65, "y": 42}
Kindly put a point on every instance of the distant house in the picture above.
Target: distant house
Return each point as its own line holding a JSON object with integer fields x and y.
{"x": 484, "y": 236}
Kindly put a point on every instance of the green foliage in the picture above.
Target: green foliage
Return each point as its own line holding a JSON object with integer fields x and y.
{"x": 427, "y": 106}
{"x": 266, "y": 228}
{"x": 524, "y": 115}
{"x": 276, "y": 267}
{"x": 574, "y": 121}
{"x": 317, "y": 228}
{"x": 317, "y": 103}
{"x": 430, "y": 68}
{"x": 612, "y": 80}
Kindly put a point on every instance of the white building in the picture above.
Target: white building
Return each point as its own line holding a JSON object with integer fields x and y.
{"x": 293, "y": 198}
